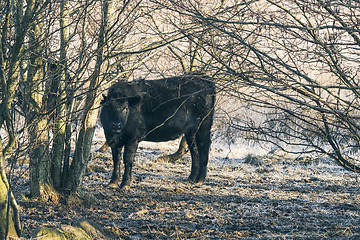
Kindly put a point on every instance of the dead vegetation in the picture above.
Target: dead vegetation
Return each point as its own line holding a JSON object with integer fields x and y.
{"x": 276, "y": 198}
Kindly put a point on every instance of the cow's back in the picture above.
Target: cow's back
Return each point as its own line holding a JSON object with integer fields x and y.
{"x": 173, "y": 105}
{"x": 177, "y": 91}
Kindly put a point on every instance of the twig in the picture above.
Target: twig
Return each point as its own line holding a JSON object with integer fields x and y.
{"x": 149, "y": 211}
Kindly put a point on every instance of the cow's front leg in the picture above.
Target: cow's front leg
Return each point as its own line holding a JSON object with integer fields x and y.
{"x": 129, "y": 155}
{"x": 115, "y": 178}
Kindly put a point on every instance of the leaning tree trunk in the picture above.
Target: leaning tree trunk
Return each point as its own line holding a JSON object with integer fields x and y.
{"x": 9, "y": 210}
{"x": 8, "y": 207}
{"x": 83, "y": 146}
{"x": 90, "y": 113}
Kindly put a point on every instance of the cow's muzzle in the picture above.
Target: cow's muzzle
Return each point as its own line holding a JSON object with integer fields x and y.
{"x": 116, "y": 127}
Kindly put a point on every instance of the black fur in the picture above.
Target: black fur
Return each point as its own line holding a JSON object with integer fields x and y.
{"x": 159, "y": 110}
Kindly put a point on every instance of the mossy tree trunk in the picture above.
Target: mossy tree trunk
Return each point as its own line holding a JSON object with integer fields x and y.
{"x": 9, "y": 211}
{"x": 9, "y": 73}
{"x": 37, "y": 120}
{"x": 61, "y": 110}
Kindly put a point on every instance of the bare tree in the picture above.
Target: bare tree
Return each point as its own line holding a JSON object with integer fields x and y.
{"x": 293, "y": 64}
{"x": 72, "y": 53}
{"x": 11, "y": 53}
{"x": 62, "y": 78}
{"x": 296, "y": 61}
{"x": 40, "y": 179}
{"x": 92, "y": 103}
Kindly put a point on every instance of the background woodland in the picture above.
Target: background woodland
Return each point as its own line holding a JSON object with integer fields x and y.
{"x": 295, "y": 63}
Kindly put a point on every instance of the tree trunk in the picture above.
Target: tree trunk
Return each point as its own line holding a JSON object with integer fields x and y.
{"x": 9, "y": 210}
{"x": 83, "y": 147}
{"x": 39, "y": 158}
{"x": 40, "y": 181}
{"x": 90, "y": 113}
{"x": 7, "y": 226}
{"x": 61, "y": 121}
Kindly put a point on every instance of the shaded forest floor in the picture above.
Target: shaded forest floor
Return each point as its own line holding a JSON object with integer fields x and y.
{"x": 268, "y": 198}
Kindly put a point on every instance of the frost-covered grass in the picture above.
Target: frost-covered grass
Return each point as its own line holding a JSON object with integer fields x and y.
{"x": 274, "y": 196}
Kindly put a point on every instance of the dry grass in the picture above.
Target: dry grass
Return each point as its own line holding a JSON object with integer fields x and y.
{"x": 278, "y": 199}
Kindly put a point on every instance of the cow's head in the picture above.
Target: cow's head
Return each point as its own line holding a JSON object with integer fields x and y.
{"x": 117, "y": 105}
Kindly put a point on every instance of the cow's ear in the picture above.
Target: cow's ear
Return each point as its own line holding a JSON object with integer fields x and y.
{"x": 103, "y": 101}
{"x": 134, "y": 100}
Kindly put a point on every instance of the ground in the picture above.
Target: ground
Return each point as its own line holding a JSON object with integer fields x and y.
{"x": 268, "y": 197}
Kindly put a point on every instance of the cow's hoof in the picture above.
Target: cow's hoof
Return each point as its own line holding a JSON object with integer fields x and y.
{"x": 192, "y": 179}
{"x": 199, "y": 181}
{"x": 196, "y": 180}
{"x": 112, "y": 185}
{"x": 124, "y": 187}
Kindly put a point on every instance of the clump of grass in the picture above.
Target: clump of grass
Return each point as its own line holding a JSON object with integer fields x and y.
{"x": 253, "y": 160}
{"x": 97, "y": 168}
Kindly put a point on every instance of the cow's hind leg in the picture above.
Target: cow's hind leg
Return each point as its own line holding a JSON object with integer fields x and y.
{"x": 129, "y": 155}
{"x": 115, "y": 178}
{"x": 177, "y": 155}
{"x": 103, "y": 148}
{"x": 195, "y": 157}
{"x": 203, "y": 142}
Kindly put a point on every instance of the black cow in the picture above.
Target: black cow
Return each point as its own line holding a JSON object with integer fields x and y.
{"x": 159, "y": 110}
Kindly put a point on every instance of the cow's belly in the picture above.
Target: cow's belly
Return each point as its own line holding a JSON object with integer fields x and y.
{"x": 162, "y": 135}
{"x": 164, "y": 128}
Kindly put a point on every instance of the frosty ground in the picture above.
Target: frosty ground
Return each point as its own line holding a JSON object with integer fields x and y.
{"x": 272, "y": 196}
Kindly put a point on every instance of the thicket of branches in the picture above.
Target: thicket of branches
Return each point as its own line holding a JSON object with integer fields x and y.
{"x": 56, "y": 58}
{"x": 295, "y": 63}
